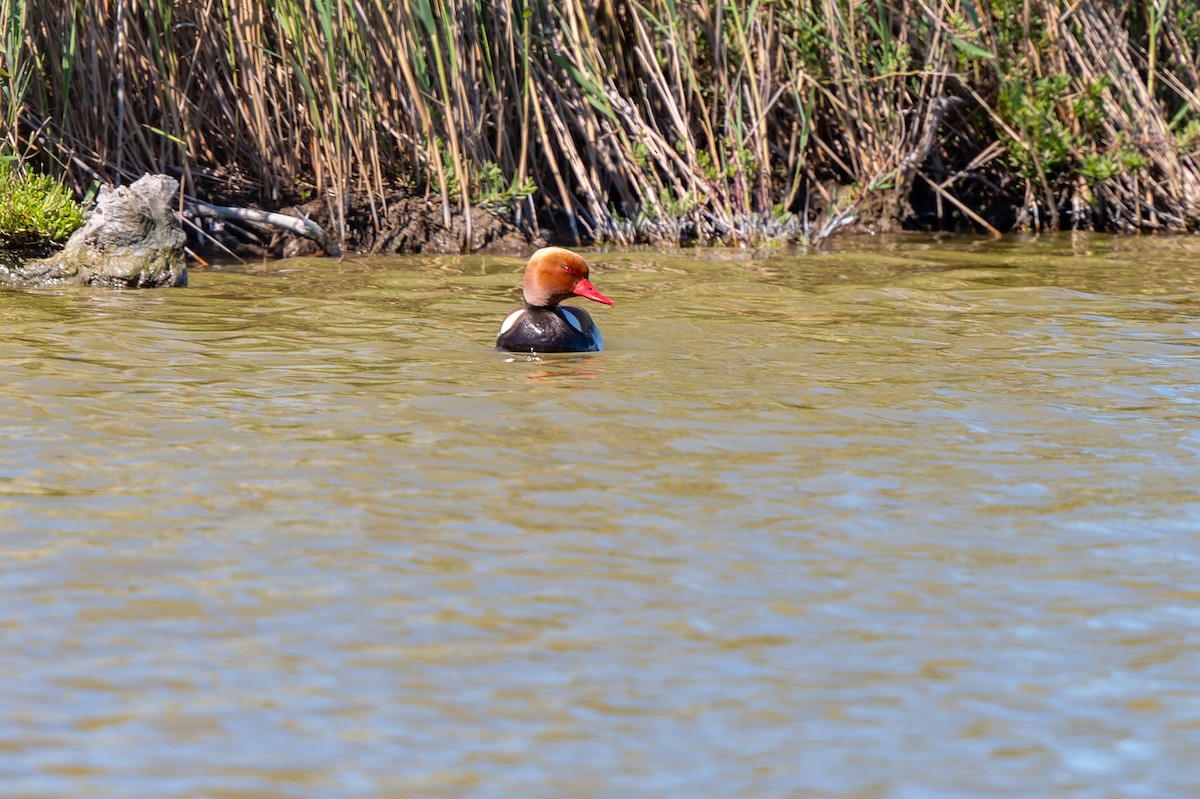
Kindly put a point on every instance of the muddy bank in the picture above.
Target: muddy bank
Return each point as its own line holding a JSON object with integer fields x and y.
{"x": 404, "y": 224}
{"x": 415, "y": 225}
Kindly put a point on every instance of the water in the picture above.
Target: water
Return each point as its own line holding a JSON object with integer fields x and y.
{"x": 904, "y": 519}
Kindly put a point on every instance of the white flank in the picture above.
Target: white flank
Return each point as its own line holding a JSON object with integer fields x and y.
{"x": 511, "y": 320}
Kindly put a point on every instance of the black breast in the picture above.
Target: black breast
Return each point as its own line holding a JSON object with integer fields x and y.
{"x": 546, "y": 330}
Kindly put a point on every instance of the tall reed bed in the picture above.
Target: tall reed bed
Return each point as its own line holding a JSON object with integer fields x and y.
{"x": 628, "y": 120}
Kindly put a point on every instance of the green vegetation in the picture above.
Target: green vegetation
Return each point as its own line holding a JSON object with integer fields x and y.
{"x": 731, "y": 121}
{"x": 35, "y": 209}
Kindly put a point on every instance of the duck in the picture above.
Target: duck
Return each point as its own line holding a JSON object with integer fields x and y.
{"x": 542, "y": 325}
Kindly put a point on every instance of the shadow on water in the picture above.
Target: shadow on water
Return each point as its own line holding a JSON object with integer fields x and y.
{"x": 904, "y": 518}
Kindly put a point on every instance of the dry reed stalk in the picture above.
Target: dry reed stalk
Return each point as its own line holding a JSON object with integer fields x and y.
{"x": 1097, "y": 46}
{"x": 652, "y": 120}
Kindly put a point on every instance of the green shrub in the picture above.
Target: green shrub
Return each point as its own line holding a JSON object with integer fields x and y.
{"x": 34, "y": 208}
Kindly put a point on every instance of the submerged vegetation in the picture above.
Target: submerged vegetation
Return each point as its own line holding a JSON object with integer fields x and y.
{"x": 629, "y": 120}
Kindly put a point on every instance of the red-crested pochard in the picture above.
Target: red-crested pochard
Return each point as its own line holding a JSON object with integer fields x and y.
{"x": 553, "y": 275}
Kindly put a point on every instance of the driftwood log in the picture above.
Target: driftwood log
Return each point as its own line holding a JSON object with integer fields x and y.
{"x": 131, "y": 239}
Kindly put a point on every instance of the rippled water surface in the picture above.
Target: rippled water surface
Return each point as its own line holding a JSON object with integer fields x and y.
{"x": 902, "y": 519}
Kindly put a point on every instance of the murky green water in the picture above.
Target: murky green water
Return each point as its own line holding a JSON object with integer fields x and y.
{"x": 901, "y": 520}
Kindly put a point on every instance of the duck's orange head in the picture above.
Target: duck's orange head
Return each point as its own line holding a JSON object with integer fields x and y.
{"x": 554, "y": 274}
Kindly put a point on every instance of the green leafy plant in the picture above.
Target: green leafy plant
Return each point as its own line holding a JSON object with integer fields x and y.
{"x": 1099, "y": 167}
{"x": 34, "y": 208}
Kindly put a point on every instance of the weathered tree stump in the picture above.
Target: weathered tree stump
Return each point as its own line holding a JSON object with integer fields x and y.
{"x": 131, "y": 239}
